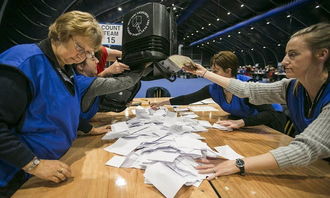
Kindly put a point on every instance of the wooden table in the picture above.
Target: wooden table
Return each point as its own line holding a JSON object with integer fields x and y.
{"x": 92, "y": 178}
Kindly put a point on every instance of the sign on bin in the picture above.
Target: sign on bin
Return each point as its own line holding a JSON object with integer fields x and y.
{"x": 112, "y": 34}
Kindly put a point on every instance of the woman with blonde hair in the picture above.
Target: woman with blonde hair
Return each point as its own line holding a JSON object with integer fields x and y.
{"x": 40, "y": 100}
{"x": 307, "y": 95}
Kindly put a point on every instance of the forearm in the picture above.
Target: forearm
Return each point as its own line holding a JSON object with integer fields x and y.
{"x": 104, "y": 73}
{"x": 220, "y": 80}
{"x": 191, "y": 98}
{"x": 14, "y": 98}
{"x": 260, "y": 93}
{"x": 260, "y": 162}
{"x": 113, "y": 54}
{"x": 312, "y": 144}
{"x": 84, "y": 126}
{"x": 264, "y": 117}
{"x": 103, "y": 86}
{"x": 12, "y": 150}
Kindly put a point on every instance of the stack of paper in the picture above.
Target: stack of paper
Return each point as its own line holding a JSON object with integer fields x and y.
{"x": 164, "y": 146}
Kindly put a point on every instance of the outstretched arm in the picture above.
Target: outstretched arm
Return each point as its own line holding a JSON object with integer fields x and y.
{"x": 113, "y": 54}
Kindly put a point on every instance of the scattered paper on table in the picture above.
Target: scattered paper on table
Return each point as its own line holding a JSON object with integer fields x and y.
{"x": 227, "y": 152}
{"x": 158, "y": 139}
{"x": 116, "y": 161}
{"x": 203, "y": 108}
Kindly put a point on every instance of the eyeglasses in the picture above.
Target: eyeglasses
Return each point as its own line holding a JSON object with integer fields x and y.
{"x": 81, "y": 51}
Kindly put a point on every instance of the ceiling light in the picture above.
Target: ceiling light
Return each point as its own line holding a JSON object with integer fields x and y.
{"x": 172, "y": 4}
{"x": 252, "y": 28}
{"x": 202, "y": 28}
{"x": 234, "y": 52}
{"x": 174, "y": 8}
{"x": 317, "y": 6}
{"x": 210, "y": 24}
{"x": 279, "y": 44}
{"x": 208, "y": 43}
{"x": 197, "y": 31}
{"x": 202, "y": 44}
{"x": 268, "y": 23}
{"x": 120, "y": 9}
{"x": 239, "y": 32}
{"x": 220, "y": 38}
{"x": 242, "y": 5}
{"x": 229, "y": 35}
{"x": 264, "y": 47}
{"x": 188, "y": 36}
{"x": 288, "y": 16}
{"x": 242, "y": 50}
{"x": 218, "y": 19}
{"x": 252, "y": 49}
{"x": 228, "y": 13}
{"x": 213, "y": 41}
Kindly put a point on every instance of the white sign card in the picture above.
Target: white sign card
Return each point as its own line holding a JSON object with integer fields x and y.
{"x": 112, "y": 34}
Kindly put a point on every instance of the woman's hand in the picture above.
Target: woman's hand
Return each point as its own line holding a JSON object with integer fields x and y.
{"x": 216, "y": 166}
{"x": 196, "y": 69}
{"x": 99, "y": 130}
{"x": 52, "y": 170}
{"x": 234, "y": 124}
{"x": 115, "y": 68}
{"x": 156, "y": 105}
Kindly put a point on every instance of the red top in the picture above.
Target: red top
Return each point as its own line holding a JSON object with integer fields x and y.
{"x": 103, "y": 60}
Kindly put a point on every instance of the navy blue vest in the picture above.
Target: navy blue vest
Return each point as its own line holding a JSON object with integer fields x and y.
{"x": 296, "y": 101}
{"x": 238, "y": 106}
{"x": 83, "y": 83}
{"x": 51, "y": 119}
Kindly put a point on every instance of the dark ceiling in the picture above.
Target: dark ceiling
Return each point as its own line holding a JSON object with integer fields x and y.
{"x": 256, "y": 30}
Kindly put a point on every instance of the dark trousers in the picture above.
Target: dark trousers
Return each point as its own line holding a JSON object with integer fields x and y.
{"x": 13, "y": 185}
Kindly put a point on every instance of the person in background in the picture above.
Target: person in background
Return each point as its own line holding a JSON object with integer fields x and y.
{"x": 242, "y": 112}
{"x": 88, "y": 68}
{"x": 40, "y": 100}
{"x": 307, "y": 95}
{"x": 106, "y": 54}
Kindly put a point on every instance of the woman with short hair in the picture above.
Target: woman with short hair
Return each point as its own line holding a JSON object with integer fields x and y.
{"x": 40, "y": 100}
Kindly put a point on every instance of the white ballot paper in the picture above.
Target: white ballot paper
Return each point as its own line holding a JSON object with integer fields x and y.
{"x": 123, "y": 146}
{"x": 116, "y": 161}
{"x": 208, "y": 101}
{"x": 203, "y": 108}
{"x": 227, "y": 152}
{"x": 164, "y": 179}
{"x": 119, "y": 127}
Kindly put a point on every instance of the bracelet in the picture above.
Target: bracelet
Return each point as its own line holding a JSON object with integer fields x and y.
{"x": 34, "y": 163}
{"x": 204, "y": 73}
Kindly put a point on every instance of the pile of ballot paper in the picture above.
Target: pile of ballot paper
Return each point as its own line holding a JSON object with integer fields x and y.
{"x": 164, "y": 145}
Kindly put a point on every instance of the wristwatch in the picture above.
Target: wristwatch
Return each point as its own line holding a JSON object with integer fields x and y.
{"x": 35, "y": 163}
{"x": 240, "y": 164}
